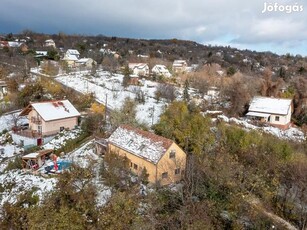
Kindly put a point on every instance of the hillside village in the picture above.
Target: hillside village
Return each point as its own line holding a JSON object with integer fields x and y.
{"x": 162, "y": 134}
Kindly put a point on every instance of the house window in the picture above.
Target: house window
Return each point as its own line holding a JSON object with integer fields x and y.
{"x": 135, "y": 166}
{"x": 172, "y": 154}
{"x": 177, "y": 171}
{"x": 164, "y": 175}
{"x": 277, "y": 118}
{"x": 39, "y": 129}
{"x": 142, "y": 147}
{"x": 130, "y": 142}
{"x": 61, "y": 128}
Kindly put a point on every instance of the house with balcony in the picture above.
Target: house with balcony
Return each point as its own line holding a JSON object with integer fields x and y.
{"x": 46, "y": 119}
{"x": 163, "y": 160}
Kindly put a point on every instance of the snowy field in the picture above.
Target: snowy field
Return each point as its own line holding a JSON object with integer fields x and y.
{"x": 289, "y": 134}
{"x": 109, "y": 87}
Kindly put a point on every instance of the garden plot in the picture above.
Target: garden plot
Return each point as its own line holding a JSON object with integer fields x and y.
{"x": 108, "y": 90}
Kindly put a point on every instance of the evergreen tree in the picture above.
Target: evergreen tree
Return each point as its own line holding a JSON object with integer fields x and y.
{"x": 186, "y": 95}
{"x": 126, "y": 78}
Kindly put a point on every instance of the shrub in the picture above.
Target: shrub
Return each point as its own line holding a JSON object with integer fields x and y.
{"x": 16, "y": 164}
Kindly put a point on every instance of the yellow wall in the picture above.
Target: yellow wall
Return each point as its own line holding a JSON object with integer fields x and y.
{"x": 167, "y": 164}
{"x": 155, "y": 171}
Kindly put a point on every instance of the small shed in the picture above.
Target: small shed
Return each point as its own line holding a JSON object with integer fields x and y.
{"x": 36, "y": 160}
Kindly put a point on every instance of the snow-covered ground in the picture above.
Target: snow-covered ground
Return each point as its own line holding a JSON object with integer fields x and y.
{"x": 8, "y": 150}
{"x": 289, "y": 134}
{"x": 6, "y": 120}
{"x": 83, "y": 155}
{"x": 17, "y": 181}
{"x": 107, "y": 87}
{"x": 86, "y": 156}
{"x": 61, "y": 138}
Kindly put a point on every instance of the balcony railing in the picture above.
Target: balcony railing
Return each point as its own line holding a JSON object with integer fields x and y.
{"x": 33, "y": 133}
{"x": 36, "y": 120}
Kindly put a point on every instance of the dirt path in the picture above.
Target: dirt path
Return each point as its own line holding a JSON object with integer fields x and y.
{"x": 256, "y": 204}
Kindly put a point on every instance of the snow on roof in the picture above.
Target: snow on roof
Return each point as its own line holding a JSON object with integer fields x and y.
{"x": 83, "y": 60}
{"x": 31, "y": 155}
{"x": 179, "y": 62}
{"x": 41, "y": 53}
{"x": 143, "y": 144}
{"x": 14, "y": 44}
{"x": 69, "y": 57}
{"x": 161, "y": 69}
{"x": 54, "y": 110}
{"x": 270, "y": 105}
{"x": 73, "y": 52}
{"x": 137, "y": 65}
{"x": 255, "y": 114}
{"x": 49, "y": 41}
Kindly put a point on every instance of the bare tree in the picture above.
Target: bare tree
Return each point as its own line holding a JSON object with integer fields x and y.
{"x": 166, "y": 91}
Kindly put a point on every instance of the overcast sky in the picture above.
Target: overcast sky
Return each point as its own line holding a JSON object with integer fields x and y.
{"x": 238, "y": 23}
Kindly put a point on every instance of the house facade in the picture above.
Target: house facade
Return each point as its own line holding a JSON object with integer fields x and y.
{"x": 180, "y": 66}
{"x": 161, "y": 70}
{"x": 49, "y": 43}
{"x": 140, "y": 69}
{"x": 3, "y": 89}
{"x": 162, "y": 158}
{"x": 46, "y": 119}
{"x": 274, "y": 111}
{"x": 85, "y": 62}
{"x": 71, "y": 57}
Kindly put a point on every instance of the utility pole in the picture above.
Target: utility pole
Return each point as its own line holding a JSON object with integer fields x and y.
{"x": 106, "y": 108}
{"x": 152, "y": 115}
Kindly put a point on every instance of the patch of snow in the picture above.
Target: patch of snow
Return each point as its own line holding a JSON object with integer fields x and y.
{"x": 289, "y": 134}
{"x": 20, "y": 181}
{"x": 6, "y": 120}
{"x": 61, "y": 138}
{"x": 84, "y": 155}
{"x": 138, "y": 144}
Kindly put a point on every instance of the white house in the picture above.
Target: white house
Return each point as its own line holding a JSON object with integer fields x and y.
{"x": 140, "y": 69}
{"x": 85, "y": 62}
{"x": 161, "y": 70}
{"x": 46, "y": 119}
{"x": 49, "y": 43}
{"x": 71, "y": 56}
{"x": 275, "y": 111}
{"x": 180, "y": 66}
{"x": 3, "y": 89}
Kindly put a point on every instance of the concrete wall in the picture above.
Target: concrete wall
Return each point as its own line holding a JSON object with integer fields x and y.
{"x": 27, "y": 141}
